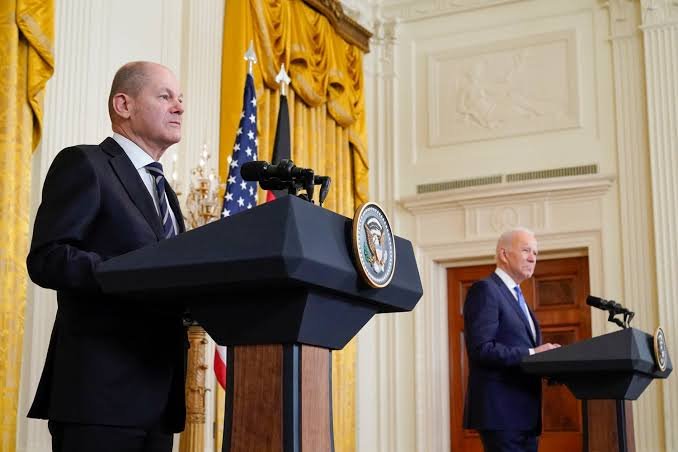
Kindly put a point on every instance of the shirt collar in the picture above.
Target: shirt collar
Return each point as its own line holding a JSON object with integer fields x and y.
{"x": 508, "y": 281}
{"x": 137, "y": 155}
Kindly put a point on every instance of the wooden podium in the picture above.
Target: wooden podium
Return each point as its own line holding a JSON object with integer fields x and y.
{"x": 277, "y": 284}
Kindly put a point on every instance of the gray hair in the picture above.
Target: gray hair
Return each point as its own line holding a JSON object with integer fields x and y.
{"x": 506, "y": 238}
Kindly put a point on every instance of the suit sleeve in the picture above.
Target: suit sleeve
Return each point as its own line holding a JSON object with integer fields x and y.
{"x": 481, "y": 322}
{"x": 70, "y": 202}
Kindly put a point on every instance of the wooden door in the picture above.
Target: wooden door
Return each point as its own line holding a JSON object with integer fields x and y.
{"x": 557, "y": 294}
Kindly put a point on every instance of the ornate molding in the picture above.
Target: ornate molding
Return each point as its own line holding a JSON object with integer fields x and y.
{"x": 579, "y": 186}
{"x": 345, "y": 26}
{"x": 623, "y": 18}
{"x": 659, "y": 12}
{"x": 193, "y": 437}
{"x": 410, "y": 10}
{"x": 504, "y": 88}
{"x": 384, "y": 42}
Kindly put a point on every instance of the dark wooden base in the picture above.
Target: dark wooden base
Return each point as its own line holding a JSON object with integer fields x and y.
{"x": 608, "y": 426}
{"x": 278, "y": 399}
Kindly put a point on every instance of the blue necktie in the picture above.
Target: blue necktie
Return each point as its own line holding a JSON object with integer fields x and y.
{"x": 523, "y": 307}
{"x": 155, "y": 169}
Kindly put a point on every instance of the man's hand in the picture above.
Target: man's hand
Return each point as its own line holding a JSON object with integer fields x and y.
{"x": 546, "y": 347}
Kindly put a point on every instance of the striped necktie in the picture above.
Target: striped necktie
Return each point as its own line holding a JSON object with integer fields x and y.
{"x": 155, "y": 168}
{"x": 526, "y": 312}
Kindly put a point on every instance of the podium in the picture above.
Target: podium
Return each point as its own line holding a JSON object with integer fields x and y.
{"x": 277, "y": 284}
{"x": 617, "y": 366}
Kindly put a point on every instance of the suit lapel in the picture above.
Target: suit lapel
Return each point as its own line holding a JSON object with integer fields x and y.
{"x": 129, "y": 177}
{"x": 511, "y": 300}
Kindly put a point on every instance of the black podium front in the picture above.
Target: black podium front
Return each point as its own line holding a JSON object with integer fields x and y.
{"x": 278, "y": 285}
{"x": 617, "y": 366}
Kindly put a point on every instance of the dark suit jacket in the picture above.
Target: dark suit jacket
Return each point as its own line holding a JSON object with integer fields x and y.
{"x": 111, "y": 360}
{"x": 499, "y": 396}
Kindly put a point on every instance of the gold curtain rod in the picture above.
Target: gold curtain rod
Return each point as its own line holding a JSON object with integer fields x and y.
{"x": 347, "y": 28}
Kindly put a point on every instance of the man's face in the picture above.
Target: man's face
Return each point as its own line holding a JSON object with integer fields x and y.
{"x": 155, "y": 113}
{"x": 520, "y": 258}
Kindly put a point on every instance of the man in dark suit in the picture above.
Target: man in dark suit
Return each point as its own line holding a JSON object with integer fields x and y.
{"x": 114, "y": 375}
{"x": 503, "y": 403}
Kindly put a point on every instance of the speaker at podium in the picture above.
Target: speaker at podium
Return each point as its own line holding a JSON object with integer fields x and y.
{"x": 616, "y": 366}
{"x": 281, "y": 285}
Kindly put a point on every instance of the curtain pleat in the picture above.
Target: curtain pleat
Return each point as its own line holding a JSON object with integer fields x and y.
{"x": 27, "y": 62}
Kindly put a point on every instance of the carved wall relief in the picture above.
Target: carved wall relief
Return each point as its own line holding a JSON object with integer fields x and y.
{"x": 500, "y": 89}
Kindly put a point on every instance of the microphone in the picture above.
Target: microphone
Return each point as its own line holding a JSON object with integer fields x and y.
{"x": 285, "y": 170}
{"x": 613, "y": 308}
{"x": 324, "y": 182}
{"x": 599, "y": 303}
{"x": 284, "y": 175}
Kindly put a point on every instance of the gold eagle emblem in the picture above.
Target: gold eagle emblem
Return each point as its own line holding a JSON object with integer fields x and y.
{"x": 375, "y": 242}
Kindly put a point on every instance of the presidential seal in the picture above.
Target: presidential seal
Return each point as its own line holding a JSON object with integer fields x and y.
{"x": 373, "y": 245}
{"x": 660, "y": 352}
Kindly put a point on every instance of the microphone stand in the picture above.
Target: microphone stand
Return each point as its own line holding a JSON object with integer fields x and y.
{"x": 307, "y": 181}
{"x": 613, "y": 308}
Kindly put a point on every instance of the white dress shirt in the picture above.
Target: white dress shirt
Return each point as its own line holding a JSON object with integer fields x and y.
{"x": 140, "y": 159}
{"x": 510, "y": 283}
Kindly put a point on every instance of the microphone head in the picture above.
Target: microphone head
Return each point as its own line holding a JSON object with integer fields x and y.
{"x": 594, "y": 301}
{"x": 600, "y": 303}
{"x": 252, "y": 171}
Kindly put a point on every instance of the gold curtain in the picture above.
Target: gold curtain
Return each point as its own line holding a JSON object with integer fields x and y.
{"x": 27, "y": 62}
{"x": 327, "y": 123}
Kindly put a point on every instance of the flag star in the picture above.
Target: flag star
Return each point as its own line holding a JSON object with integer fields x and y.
{"x": 241, "y": 202}
{"x": 254, "y": 157}
{"x": 234, "y": 164}
{"x": 236, "y": 147}
{"x": 225, "y": 213}
{"x": 250, "y": 135}
{"x": 254, "y": 101}
{"x": 253, "y": 118}
{"x": 242, "y": 114}
{"x": 239, "y": 132}
{"x": 243, "y": 185}
{"x": 248, "y": 151}
{"x": 249, "y": 206}
{"x": 231, "y": 179}
{"x": 229, "y": 196}
{"x": 256, "y": 141}
{"x": 251, "y": 191}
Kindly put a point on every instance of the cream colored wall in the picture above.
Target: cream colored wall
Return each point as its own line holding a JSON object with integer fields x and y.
{"x": 475, "y": 88}
{"x": 93, "y": 39}
{"x": 580, "y": 87}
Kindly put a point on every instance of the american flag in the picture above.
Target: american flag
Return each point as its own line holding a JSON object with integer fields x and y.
{"x": 239, "y": 195}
